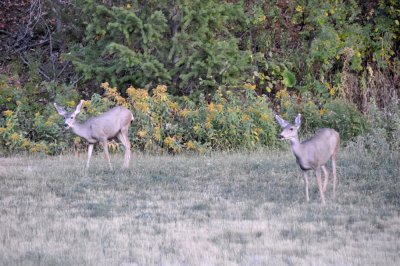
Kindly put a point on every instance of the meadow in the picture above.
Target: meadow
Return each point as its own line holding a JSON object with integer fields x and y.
{"x": 242, "y": 208}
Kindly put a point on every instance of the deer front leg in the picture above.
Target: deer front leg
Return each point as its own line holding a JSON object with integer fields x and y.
{"x": 90, "y": 150}
{"x": 319, "y": 181}
{"x": 306, "y": 184}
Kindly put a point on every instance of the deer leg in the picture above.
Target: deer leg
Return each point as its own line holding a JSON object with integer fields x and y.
{"x": 326, "y": 174}
{"x": 90, "y": 150}
{"x": 125, "y": 141}
{"x": 107, "y": 155}
{"x": 306, "y": 184}
{"x": 319, "y": 181}
{"x": 334, "y": 174}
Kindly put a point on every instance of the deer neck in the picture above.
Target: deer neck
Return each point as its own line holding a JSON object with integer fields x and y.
{"x": 297, "y": 147}
{"x": 81, "y": 130}
{"x": 300, "y": 152}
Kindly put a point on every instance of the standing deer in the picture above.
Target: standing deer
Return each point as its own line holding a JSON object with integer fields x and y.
{"x": 314, "y": 153}
{"x": 111, "y": 124}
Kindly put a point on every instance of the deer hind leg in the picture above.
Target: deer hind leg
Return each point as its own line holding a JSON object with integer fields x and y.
{"x": 306, "y": 184}
{"x": 334, "y": 174}
{"x": 326, "y": 174}
{"x": 106, "y": 154}
{"x": 90, "y": 150}
{"x": 319, "y": 181}
{"x": 123, "y": 137}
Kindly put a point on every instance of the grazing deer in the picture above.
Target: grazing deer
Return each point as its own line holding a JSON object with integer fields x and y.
{"x": 314, "y": 153}
{"x": 111, "y": 124}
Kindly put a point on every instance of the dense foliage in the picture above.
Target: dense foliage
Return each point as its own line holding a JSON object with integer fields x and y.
{"x": 227, "y": 65}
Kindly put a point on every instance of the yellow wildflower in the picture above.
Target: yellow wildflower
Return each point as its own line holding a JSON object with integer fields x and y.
{"x": 77, "y": 140}
{"x": 92, "y": 110}
{"x": 299, "y": 8}
{"x": 87, "y": 103}
{"x": 210, "y": 117}
{"x": 137, "y": 94}
{"x": 190, "y": 145}
{"x": 111, "y": 92}
{"x": 160, "y": 93}
{"x": 258, "y": 131}
{"x": 282, "y": 94}
{"x": 197, "y": 129}
{"x": 286, "y": 104}
{"x": 48, "y": 123}
{"x": 211, "y": 107}
{"x": 184, "y": 112}
{"x": 168, "y": 141}
{"x": 265, "y": 117}
{"x": 142, "y": 133}
{"x": 157, "y": 133}
{"x": 322, "y": 111}
{"x": 160, "y": 89}
{"x": 25, "y": 143}
{"x": 249, "y": 86}
{"x": 8, "y": 113}
{"x": 130, "y": 91}
{"x": 120, "y": 100}
{"x": 71, "y": 103}
{"x": 142, "y": 106}
{"x": 105, "y": 85}
{"x": 37, "y": 147}
{"x": 173, "y": 106}
{"x": 14, "y": 136}
{"x": 246, "y": 118}
{"x": 233, "y": 110}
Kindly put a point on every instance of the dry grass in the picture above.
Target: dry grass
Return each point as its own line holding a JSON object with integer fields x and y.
{"x": 223, "y": 209}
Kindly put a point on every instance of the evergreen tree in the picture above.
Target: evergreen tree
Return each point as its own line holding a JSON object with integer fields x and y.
{"x": 187, "y": 45}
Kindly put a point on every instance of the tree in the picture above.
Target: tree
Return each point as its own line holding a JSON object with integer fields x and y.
{"x": 187, "y": 45}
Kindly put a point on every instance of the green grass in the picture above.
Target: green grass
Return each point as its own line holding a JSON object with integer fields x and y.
{"x": 222, "y": 209}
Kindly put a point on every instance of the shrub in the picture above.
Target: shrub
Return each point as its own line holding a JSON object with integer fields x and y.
{"x": 345, "y": 118}
{"x": 338, "y": 114}
{"x": 227, "y": 120}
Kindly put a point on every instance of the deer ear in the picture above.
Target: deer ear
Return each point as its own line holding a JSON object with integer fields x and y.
{"x": 79, "y": 107}
{"x": 297, "y": 121}
{"x": 281, "y": 121}
{"x": 60, "y": 110}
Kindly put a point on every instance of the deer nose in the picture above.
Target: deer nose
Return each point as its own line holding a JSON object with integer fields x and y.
{"x": 281, "y": 137}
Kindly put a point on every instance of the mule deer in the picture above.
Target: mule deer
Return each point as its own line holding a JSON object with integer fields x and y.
{"x": 314, "y": 153}
{"x": 111, "y": 124}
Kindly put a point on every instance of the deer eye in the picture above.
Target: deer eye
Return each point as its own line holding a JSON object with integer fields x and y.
{"x": 291, "y": 129}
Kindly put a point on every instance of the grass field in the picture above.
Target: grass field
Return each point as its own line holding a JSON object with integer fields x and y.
{"x": 220, "y": 209}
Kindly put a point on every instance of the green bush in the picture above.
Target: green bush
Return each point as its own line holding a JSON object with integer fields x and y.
{"x": 338, "y": 114}
{"x": 229, "y": 120}
{"x": 345, "y": 118}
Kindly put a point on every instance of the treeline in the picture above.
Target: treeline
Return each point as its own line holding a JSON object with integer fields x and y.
{"x": 315, "y": 53}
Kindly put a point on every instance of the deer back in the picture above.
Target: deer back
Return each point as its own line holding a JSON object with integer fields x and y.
{"x": 108, "y": 124}
{"x": 317, "y": 150}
